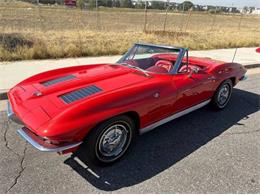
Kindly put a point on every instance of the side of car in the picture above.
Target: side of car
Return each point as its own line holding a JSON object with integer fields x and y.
{"x": 106, "y": 105}
{"x": 177, "y": 95}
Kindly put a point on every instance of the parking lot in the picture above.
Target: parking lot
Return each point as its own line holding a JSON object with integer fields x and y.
{"x": 203, "y": 152}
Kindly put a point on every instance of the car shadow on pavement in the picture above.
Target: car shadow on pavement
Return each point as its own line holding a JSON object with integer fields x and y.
{"x": 156, "y": 151}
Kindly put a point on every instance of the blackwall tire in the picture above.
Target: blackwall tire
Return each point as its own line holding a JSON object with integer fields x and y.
{"x": 222, "y": 95}
{"x": 110, "y": 140}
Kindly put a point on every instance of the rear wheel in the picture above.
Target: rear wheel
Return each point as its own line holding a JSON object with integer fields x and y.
{"x": 223, "y": 94}
{"x": 110, "y": 140}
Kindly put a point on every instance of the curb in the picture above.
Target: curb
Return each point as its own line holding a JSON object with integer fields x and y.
{"x": 3, "y": 94}
{"x": 249, "y": 66}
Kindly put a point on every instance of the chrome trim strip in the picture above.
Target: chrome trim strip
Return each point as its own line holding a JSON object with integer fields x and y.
{"x": 157, "y": 45}
{"x": 25, "y": 136}
{"x": 9, "y": 110}
{"x": 11, "y": 115}
{"x": 176, "y": 115}
{"x": 243, "y": 78}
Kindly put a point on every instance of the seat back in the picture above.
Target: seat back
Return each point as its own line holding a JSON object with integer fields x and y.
{"x": 165, "y": 64}
{"x": 157, "y": 69}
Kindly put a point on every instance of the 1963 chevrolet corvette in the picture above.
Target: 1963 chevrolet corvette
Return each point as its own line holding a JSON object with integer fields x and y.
{"x": 101, "y": 107}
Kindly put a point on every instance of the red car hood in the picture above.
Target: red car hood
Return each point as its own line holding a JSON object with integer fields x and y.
{"x": 39, "y": 95}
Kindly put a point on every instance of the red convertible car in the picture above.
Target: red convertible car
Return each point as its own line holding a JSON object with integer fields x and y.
{"x": 101, "y": 107}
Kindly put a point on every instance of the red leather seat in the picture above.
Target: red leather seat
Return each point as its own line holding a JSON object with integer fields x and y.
{"x": 161, "y": 66}
{"x": 184, "y": 69}
{"x": 157, "y": 69}
{"x": 187, "y": 69}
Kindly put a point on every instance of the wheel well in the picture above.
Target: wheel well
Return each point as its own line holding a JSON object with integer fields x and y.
{"x": 233, "y": 79}
{"x": 136, "y": 118}
{"x": 131, "y": 114}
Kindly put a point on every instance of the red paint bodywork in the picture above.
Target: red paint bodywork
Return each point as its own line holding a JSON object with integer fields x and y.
{"x": 124, "y": 90}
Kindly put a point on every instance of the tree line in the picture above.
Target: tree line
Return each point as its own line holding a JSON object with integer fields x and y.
{"x": 139, "y": 4}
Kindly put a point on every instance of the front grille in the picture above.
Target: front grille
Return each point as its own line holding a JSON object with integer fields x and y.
{"x": 80, "y": 93}
{"x": 58, "y": 80}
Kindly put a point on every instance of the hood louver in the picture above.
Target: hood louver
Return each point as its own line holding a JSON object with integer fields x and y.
{"x": 58, "y": 80}
{"x": 79, "y": 94}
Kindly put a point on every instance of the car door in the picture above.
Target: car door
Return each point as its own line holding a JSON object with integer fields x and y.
{"x": 192, "y": 89}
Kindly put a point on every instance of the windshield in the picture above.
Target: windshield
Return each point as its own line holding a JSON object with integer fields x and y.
{"x": 152, "y": 58}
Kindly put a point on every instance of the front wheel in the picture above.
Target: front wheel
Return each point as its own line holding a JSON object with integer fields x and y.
{"x": 223, "y": 94}
{"x": 110, "y": 140}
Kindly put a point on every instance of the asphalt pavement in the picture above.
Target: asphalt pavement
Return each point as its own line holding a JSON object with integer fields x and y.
{"x": 203, "y": 152}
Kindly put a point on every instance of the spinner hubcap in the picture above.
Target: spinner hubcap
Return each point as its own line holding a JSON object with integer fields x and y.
{"x": 113, "y": 140}
{"x": 223, "y": 94}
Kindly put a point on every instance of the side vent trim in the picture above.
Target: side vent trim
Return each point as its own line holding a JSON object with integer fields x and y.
{"x": 79, "y": 94}
{"x": 57, "y": 80}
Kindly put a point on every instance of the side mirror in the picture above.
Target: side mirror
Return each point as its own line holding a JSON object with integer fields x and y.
{"x": 193, "y": 70}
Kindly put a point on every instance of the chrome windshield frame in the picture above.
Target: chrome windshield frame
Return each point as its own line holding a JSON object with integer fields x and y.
{"x": 182, "y": 51}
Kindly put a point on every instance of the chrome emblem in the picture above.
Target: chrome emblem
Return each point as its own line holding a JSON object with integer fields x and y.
{"x": 156, "y": 95}
{"x": 37, "y": 94}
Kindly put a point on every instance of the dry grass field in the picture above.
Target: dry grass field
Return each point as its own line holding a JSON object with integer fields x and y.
{"x": 36, "y": 32}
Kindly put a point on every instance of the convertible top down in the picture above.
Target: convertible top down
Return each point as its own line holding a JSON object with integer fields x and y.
{"x": 101, "y": 107}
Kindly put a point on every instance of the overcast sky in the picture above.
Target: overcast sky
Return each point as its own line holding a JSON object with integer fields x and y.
{"x": 235, "y": 3}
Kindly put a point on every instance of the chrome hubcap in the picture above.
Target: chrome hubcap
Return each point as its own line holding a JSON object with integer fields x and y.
{"x": 113, "y": 140}
{"x": 223, "y": 94}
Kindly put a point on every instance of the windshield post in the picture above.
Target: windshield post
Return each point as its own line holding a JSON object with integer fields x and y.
{"x": 123, "y": 58}
{"x": 187, "y": 57}
{"x": 178, "y": 61}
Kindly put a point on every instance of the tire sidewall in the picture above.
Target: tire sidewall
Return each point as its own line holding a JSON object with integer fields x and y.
{"x": 125, "y": 147}
{"x": 215, "y": 99}
{"x": 92, "y": 141}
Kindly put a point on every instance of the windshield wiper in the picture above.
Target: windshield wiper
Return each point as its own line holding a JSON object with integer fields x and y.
{"x": 136, "y": 67}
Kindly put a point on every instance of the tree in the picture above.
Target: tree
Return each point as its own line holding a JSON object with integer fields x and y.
{"x": 140, "y": 4}
{"x": 245, "y": 9}
{"x": 81, "y": 4}
{"x": 185, "y": 6}
{"x": 250, "y": 9}
{"x": 109, "y": 3}
{"x": 157, "y": 5}
{"x": 91, "y": 3}
{"x": 116, "y": 3}
{"x": 126, "y": 3}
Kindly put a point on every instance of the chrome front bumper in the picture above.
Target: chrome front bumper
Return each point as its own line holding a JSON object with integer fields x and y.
{"x": 41, "y": 145}
{"x": 243, "y": 78}
{"x": 35, "y": 140}
{"x": 11, "y": 115}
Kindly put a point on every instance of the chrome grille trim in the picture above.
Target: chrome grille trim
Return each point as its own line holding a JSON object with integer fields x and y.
{"x": 79, "y": 94}
{"x": 57, "y": 80}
